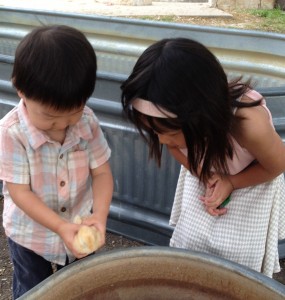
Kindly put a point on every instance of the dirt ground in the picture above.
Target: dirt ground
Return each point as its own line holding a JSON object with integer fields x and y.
{"x": 239, "y": 19}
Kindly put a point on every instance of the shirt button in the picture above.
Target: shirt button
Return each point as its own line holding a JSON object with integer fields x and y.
{"x": 63, "y": 209}
{"x": 61, "y": 156}
{"x": 62, "y": 183}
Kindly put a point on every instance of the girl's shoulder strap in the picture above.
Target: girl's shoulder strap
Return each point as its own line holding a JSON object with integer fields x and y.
{"x": 254, "y": 95}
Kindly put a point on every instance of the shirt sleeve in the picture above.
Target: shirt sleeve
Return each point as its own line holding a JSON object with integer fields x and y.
{"x": 99, "y": 151}
{"x": 14, "y": 165}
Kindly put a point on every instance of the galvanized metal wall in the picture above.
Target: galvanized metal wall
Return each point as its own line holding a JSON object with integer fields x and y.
{"x": 119, "y": 42}
{"x": 143, "y": 193}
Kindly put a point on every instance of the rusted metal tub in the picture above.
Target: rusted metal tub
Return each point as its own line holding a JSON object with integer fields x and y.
{"x": 147, "y": 273}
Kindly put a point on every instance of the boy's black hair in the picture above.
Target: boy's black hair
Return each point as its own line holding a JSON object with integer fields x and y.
{"x": 185, "y": 78}
{"x": 56, "y": 66}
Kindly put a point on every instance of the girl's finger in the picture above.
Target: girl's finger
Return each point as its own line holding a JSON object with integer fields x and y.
{"x": 217, "y": 211}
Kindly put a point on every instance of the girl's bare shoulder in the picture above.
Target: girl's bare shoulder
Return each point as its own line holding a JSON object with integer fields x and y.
{"x": 254, "y": 123}
{"x": 253, "y": 114}
{"x": 254, "y": 131}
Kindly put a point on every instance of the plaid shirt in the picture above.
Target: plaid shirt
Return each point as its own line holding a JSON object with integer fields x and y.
{"x": 58, "y": 174}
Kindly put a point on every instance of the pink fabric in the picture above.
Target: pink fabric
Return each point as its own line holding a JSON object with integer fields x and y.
{"x": 58, "y": 174}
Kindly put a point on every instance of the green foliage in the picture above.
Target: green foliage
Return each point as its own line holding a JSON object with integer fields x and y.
{"x": 272, "y": 19}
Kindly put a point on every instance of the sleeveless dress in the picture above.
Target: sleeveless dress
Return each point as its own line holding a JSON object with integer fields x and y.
{"x": 248, "y": 233}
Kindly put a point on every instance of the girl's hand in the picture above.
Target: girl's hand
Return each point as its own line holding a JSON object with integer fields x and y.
{"x": 218, "y": 189}
{"x": 216, "y": 211}
{"x": 210, "y": 210}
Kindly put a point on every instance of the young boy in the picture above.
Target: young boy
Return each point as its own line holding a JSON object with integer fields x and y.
{"x": 54, "y": 157}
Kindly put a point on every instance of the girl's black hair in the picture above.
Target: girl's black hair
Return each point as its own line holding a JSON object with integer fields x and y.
{"x": 56, "y": 66}
{"x": 185, "y": 78}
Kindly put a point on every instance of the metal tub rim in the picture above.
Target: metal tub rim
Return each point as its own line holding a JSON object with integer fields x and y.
{"x": 51, "y": 284}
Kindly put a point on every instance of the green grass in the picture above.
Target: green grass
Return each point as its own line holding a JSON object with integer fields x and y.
{"x": 272, "y": 19}
{"x": 169, "y": 19}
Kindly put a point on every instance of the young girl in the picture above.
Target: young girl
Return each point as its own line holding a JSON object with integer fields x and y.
{"x": 230, "y": 194}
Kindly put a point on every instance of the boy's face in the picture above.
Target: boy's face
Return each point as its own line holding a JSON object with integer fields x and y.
{"x": 47, "y": 119}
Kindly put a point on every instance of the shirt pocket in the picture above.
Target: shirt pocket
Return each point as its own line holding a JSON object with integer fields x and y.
{"x": 78, "y": 168}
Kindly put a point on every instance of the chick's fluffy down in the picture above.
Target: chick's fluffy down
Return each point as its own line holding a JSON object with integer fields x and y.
{"x": 87, "y": 240}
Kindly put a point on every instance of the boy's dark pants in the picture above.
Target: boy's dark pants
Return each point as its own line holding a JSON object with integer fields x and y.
{"x": 29, "y": 268}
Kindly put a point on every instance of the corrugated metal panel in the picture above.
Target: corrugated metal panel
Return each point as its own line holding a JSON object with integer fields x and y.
{"x": 118, "y": 42}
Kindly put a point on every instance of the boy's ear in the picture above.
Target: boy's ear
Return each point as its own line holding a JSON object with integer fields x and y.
{"x": 20, "y": 94}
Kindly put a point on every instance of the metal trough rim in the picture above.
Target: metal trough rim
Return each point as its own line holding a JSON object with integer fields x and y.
{"x": 160, "y": 252}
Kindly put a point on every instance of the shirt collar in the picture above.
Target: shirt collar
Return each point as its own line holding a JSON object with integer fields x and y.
{"x": 35, "y": 136}
{"x": 38, "y": 137}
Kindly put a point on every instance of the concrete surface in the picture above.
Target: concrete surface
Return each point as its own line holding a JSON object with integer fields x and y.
{"x": 102, "y": 7}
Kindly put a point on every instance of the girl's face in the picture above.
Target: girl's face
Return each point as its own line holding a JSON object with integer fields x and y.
{"x": 47, "y": 119}
{"x": 172, "y": 139}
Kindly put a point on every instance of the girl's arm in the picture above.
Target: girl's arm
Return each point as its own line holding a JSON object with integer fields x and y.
{"x": 255, "y": 133}
{"x": 37, "y": 210}
{"x": 102, "y": 186}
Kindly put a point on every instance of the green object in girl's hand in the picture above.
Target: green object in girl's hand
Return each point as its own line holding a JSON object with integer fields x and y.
{"x": 225, "y": 202}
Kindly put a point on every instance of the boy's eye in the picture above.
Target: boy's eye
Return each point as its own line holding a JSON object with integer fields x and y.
{"x": 49, "y": 117}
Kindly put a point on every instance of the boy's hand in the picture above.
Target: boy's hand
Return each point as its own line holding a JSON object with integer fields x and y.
{"x": 67, "y": 232}
{"x": 87, "y": 240}
{"x": 99, "y": 224}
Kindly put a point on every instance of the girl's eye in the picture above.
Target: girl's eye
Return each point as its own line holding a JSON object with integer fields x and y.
{"x": 171, "y": 133}
{"x": 174, "y": 133}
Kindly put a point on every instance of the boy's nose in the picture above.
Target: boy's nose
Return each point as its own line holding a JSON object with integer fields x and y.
{"x": 63, "y": 124}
